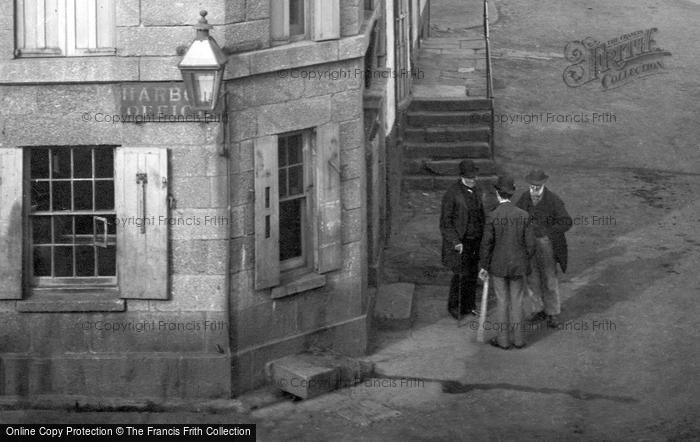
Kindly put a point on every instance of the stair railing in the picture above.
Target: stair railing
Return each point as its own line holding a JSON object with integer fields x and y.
{"x": 489, "y": 75}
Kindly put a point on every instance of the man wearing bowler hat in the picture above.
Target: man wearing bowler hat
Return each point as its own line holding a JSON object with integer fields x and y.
{"x": 550, "y": 221}
{"x": 461, "y": 225}
{"x": 506, "y": 248}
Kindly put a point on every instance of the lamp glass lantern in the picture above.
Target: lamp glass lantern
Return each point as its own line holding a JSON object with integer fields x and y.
{"x": 202, "y": 68}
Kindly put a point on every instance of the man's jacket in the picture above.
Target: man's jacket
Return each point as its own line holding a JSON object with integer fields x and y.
{"x": 508, "y": 242}
{"x": 549, "y": 218}
{"x": 461, "y": 218}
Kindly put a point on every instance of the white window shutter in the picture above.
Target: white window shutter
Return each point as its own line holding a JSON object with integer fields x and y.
{"x": 142, "y": 253}
{"x": 326, "y": 21}
{"x": 11, "y": 235}
{"x": 267, "y": 245}
{"x": 40, "y": 26}
{"x": 330, "y": 247}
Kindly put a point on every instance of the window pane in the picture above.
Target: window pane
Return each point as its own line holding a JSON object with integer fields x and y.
{"x": 294, "y": 149}
{"x": 61, "y": 162}
{"x": 104, "y": 195}
{"x": 63, "y": 229}
{"x": 39, "y": 159}
{"x": 42, "y": 261}
{"x": 282, "y": 152}
{"x": 111, "y": 224}
{"x": 83, "y": 225}
{"x": 107, "y": 261}
{"x": 63, "y": 261}
{"x": 283, "y": 182}
{"x": 82, "y": 163}
{"x": 104, "y": 163}
{"x": 82, "y": 195}
{"x": 84, "y": 261}
{"x": 41, "y": 230}
{"x": 40, "y": 196}
{"x": 290, "y": 229}
{"x": 61, "y": 195}
{"x": 296, "y": 180}
{"x": 296, "y": 17}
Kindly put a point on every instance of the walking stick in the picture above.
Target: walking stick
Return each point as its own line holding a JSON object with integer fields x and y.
{"x": 482, "y": 311}
{"x": 460, "y": 322}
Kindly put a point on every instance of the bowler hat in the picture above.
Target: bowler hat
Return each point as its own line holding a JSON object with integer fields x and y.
{"x": 536, "y": 177}
{"x": 467, "y": 169}
{"x": 505, "y": 184}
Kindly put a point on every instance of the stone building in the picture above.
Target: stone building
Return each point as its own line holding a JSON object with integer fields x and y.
{"x": 150, "y": 251}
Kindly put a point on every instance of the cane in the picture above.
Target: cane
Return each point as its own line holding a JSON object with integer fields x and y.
{"x": 460, "y": 322}
{"x": 482, "y": 311}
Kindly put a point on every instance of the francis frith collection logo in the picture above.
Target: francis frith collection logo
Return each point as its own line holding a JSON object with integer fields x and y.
{"x": 615, "y": 62}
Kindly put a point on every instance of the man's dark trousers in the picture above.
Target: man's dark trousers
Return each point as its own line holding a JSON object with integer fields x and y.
{"x": 464, "y": 283}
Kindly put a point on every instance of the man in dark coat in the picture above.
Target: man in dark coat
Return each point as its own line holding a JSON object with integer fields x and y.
{"x": 461, "y": 225}
{"x": 550, "y": 221}
{"x": 506, "y": 248}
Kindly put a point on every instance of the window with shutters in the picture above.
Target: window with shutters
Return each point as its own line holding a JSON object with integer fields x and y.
{"x": 72, "y": 218}
{"x": 64, "y": 27}
{"x": 297, "y": 206}
{"x": 294, "y": 20}
{"x": 84, "y": 220}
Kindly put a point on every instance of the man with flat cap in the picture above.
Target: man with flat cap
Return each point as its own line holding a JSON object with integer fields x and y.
{"x": 506, "y": 248}
{"x": 550, "y": 221}
{"x": 461, "y": 225}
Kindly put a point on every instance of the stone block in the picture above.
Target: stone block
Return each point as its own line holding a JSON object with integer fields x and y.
{"x": 152, "y": 40}
{"x": 351, "y": 17}
{"x": 279, "y": 349}
{"x": 351, "y": 194}
{"x": 246, "y": 36}
{"x": 243, "y": 294}
{"x": 242, "y": 254}
{"x": 7, "y": 20}
{"x": 191, "y": 192}
{"x": 394, "y": 307}
{"x": 242, "y": 157}
{"x": 312, "y": 310}
{"x": 172, "y": 13}
{"x": 128, "y": 12}
{"x": 194, "y": 293}
{"x": 18, "y": 100}
{"x": 352, "y": 225}
{"x": 262, "y": 323}
{"x": 257, "y": 9}
{"x": 244, "y": 124}
{"x": 274, "y": 88}
{"x": 351, "y": 134}
{"x": 14, "y": 334}
{"x": 235, "y": 10}
{"x": 241, "y": 373}
{"x": 155, "y": 134}
{"x": 218, "y": 193}
{"x": 241, "y": 93}
{"x": 191, "y": 257}
{"x": 57, "y": 333}
{"x": 197, "y": 224}
{"x": 347, "y": 105}
{"x": 6, "y": 50}
{"x": 242, "y": 188}
{"x": 70, "y": 70}
{"x": 352, "y": 163}
{"x": 294, "y": 55}
{"x": 301, "y": 377}
{"x": 190, "y": 161}
{"x": 352, "y": 47}
{"x": 329, "y": 78}
{"x": 293, "y": 115}
{"x": 159, "y": 69}
{"x": 242, "y": 220}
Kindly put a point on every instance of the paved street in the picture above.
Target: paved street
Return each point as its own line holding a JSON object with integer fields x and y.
{"x": 625, "y": 363}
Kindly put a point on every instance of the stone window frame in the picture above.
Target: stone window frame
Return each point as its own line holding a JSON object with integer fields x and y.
{"x": 65, "y": 26}
{"x": 321, "y": 21}
{"x": 280, "y": 18}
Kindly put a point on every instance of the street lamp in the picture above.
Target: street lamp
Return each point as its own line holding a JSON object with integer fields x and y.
{"x": 202, "y": 68}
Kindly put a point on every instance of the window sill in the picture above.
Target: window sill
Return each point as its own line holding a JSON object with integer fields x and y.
{"x": 72, "y": 301}
{"x": 303, "y": 283}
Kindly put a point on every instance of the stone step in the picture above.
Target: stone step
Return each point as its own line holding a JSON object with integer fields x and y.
{"x": 443, "y": 104}
{"x": 463, "y": 149}
{"x": 450, "y": 167}
{"x": 425, "y": 182}
{"x": 456, "y": 118}
{"x": 308, "y": 375}
{"x": 446, "y": 134}
{"x": 394, "y": 307}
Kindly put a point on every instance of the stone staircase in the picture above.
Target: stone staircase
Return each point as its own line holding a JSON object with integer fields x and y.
{"x": 439, "y": 134}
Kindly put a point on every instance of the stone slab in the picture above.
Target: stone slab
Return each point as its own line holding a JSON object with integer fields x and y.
{"x": 302, "y": 377}
{"x": 394, "y": 306}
